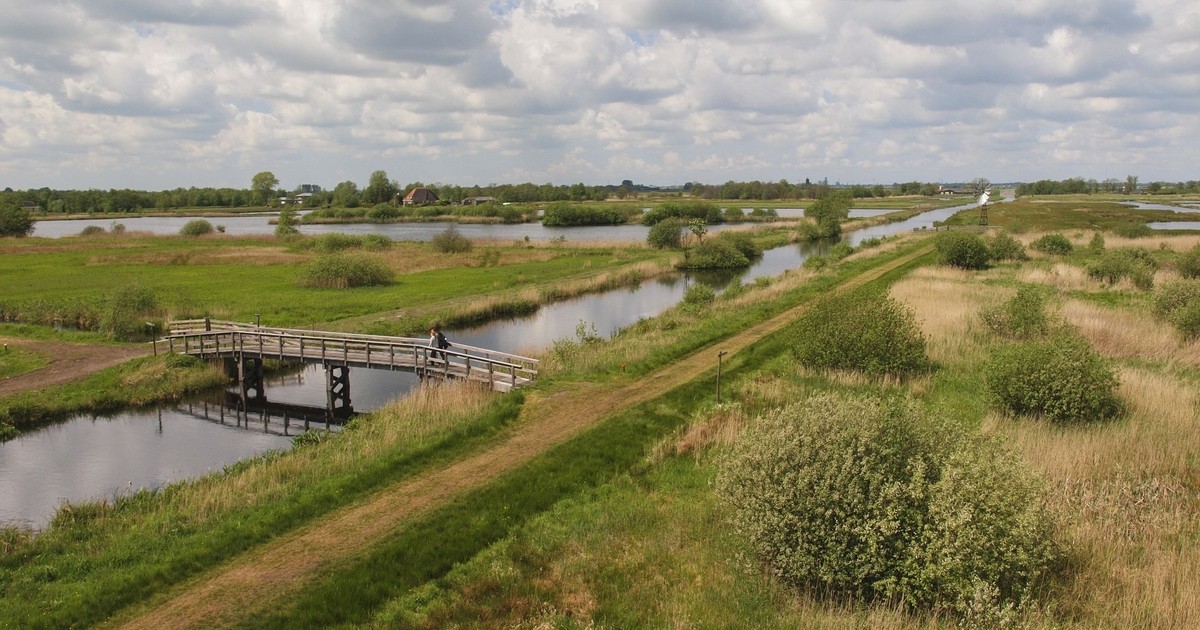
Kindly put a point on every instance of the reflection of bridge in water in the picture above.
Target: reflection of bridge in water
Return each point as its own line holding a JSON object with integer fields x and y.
{"x": 262, "y": 415}
{"x": 246, "y": 346}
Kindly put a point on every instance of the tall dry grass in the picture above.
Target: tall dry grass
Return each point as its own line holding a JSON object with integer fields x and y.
{"x": 1129, "y": 511}
{"x": 1124, "y": 334}
{"x": 946, "y": 302}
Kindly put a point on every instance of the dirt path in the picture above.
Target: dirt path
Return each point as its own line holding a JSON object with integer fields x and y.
{"x": 68, "y": 362}
{"x": 272, "y": 574}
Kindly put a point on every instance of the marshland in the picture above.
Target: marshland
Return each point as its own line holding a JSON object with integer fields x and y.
{"x": 613, "y": 492}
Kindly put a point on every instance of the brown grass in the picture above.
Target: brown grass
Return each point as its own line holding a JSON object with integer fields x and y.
{"x": 946, "y": 303}
{"x": 1128, "y": 335}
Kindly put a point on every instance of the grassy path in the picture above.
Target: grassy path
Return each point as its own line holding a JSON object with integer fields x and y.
{"x": 276, "y": 572}
{"x": 67, "y": 362}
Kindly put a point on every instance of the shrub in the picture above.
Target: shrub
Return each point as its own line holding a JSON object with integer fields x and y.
{"x": 1003, "y": 246}
{"x": 827, "y": 215}
{"x": 1053, "y": 244}
{"x": 285, "y": 226}
{"x": 563, "y": 214}
{"x": 342, "y": 271}
{"x": 336, "y": 242}
{"x": 733, "y": 215}
{"x": 1135, "y": 263}
{"x": 196, "y": 227}
{"x": 383, "y": 212}
{"x": 1189, "y": 263}
{"x": 127, "y": 311}
{"x": 1096, "y": 245}
{"x": 92, "y": 230}
{"x": 864, "y": 331}
{"x": 703, "y": 210}
{"x": 816, "y": 262}
{"x": 666, "y": 234}
{"x": 376, "y": 242}
{"x": 1134, "y": 230}
{"x": 119, "y": 228}
{"x": 1178, "y": 302}
{"x": 1061, "y": 378}
{"x": 743, "y": 242}
{"x": 449, "y": 241}
{"x": 1023, "y": 316}
{"x": 840, "y": 250}
{"x": 699, "y": 295}
{"x": 866, "y": 498}
{"x": 716, "y": 253}
{"x": 963, "y": 249}
{"x": 14, "y": 220}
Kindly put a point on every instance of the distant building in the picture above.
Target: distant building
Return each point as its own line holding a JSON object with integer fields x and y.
{"x": 475, "y": 201}
{"x": 419, "y": 196}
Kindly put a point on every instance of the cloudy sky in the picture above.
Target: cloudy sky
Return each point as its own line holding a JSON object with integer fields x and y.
{"x": 154, "y": 94}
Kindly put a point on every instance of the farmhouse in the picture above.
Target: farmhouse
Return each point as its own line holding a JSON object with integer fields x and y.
{"x": 420, "y": 196}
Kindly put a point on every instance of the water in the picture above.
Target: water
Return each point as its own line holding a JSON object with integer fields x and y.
{"x": 259, "y": 224}
{"x": 96, "y": 458}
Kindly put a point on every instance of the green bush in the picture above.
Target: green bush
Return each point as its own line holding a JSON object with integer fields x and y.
{"x": 865, "y": 331}
{"x": 384, "y": 212}
{"x": 1003, "y": 246}
{"x": 1061, "y": 378}
{"x": 285, "y": 226}
{"x": 840, "y": 250}
{"x": 1096, "y": 245}
{"x": 449, "y": 241}
{"x": 743, "y": 242}
{"x": 699, "y": 295}
{"x": 376, "y": 242}
{"x": 131, "y": 313}
{"x": 869, "y": 499}
{"x": 666, "y": 234}
{"x": 1023, "y": 316}
{"x": 14, "y": 220}
{"x": 1135, "y": 263}
{"x": 715, "y": 253}
{"x": 816, "y": 262}
{"x": 196, "y": 227}
{"x": 684, "y": 210}
{"x": 335, "y": 242}
{"x": 1053, "y": 244}
{"x": 733, "y": 215}
{"x": 343, "y": 271}
{"x": 563, "y": 214}
{"x": 1189, "y": 263}
{"x": 963, "y": 249}
{"x": 1178, "y": 302}
{"x": 826, "y": 216}
{"x": 1134, "y": 230}
{"x": 92, "y": 230}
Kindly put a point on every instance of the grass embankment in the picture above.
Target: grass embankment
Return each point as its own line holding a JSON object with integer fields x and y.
{"x": 1054, "y": 213}
{"x": 137, "y": 383}
{"x": 187, "y": 528}
{"x": 650, "y": 549}
{"x": 240, "y": 277}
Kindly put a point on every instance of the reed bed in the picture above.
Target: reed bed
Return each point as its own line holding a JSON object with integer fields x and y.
{"x": 946, "y": 302}
{"x": 1124, "y": 334}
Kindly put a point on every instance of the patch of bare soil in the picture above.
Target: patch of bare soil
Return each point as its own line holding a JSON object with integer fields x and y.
{"x": 68, "y": 362}
{"x": 275, "y": 572}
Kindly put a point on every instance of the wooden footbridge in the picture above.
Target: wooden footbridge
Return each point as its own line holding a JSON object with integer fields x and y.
{"x": 250, "y": 344}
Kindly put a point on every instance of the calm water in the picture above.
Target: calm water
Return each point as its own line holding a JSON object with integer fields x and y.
{"x": 98, "y": 458}
{"x": 259, "y": 224}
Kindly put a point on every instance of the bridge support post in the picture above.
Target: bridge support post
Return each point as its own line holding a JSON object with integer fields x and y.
{"x": 337, "y": 391}
{"x": 250, "y": 375}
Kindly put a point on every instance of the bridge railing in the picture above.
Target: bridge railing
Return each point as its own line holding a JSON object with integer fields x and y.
{"x": 213, "y": 339}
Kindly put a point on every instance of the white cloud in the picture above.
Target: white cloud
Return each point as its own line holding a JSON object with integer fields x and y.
{"x": 144, "y": 94}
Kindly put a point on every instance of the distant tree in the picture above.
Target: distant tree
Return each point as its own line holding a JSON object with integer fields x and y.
{"x": 380, "y": 189}
{"x": 828, "y": 214}
{"x": 14, "y": 220}
{"x": 1131, "y": 184}
{"x": 263, "y": 186}
{"x": 346, "y": 195}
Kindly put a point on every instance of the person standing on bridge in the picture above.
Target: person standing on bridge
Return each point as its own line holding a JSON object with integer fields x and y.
{"x": 439, "y": 341}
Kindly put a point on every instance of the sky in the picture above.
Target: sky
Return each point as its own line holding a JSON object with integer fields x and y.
{"x": 156, "y": 94}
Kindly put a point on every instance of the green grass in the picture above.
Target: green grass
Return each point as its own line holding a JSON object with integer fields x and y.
{"x": 14, "y": 362}
{"x": 1047, "y": 214}
{"x": 237, "y": 277}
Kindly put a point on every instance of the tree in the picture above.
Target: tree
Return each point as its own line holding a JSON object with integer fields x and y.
{"x": 345, "y": 194}
{"x": 1131, "y": 184}
{"x": 666, "y": 234}
{"x": 828, "y": 214}
{"x": 263, "y": 186}
{"x": 379, "y": 189}
{"x": 698, "y": 228}
{"x": 286, "y": 226}
{"x": 14, "y": 220}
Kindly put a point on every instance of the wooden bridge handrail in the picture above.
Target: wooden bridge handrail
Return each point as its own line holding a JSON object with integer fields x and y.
{"x": 341, "y": 344}
{"x": 218, "y": 325}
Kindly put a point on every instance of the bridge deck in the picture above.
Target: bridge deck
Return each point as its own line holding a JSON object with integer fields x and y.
{"x": 214, "y": 339}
